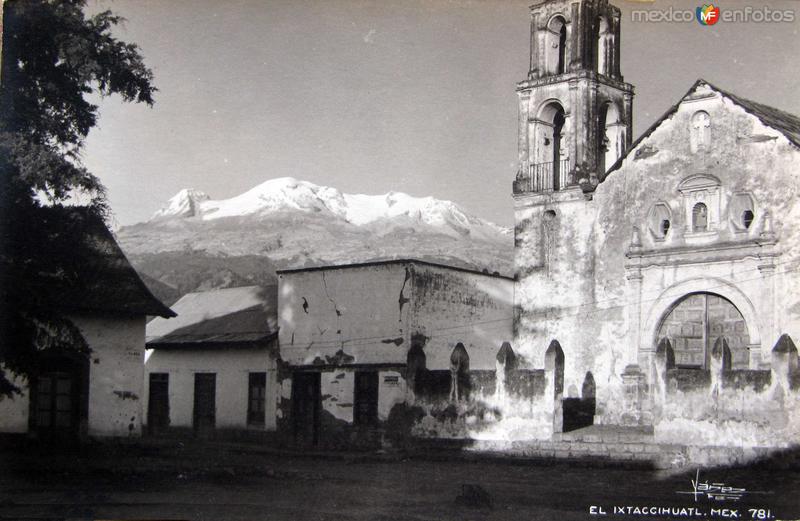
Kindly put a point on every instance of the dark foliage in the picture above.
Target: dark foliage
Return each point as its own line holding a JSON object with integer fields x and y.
{"x": 53, "y": 57}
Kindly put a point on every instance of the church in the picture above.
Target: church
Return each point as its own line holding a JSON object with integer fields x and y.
{"x": 658, "y": 275}
{"x": 653, "y": 304}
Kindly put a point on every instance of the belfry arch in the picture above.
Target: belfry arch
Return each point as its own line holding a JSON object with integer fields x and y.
{"x": 611, "y": 136}
{"x": 551, "y": 161}
{"x": 556, "y": 45}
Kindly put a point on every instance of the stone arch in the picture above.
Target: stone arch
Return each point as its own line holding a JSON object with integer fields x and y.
{"x": 506, "y": 357}
{"x": 721, "y": 354}
{"x": 554, "y": 366}
{"x": 698, "y": 325}
{"x": 589, "y": 388}
{"x": 665, "y": 303}
{"x": 459, "y": 373}
{"x": 721, "y": 287}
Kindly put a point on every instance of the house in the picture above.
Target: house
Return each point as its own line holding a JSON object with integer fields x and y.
{"x": 660, "y": 274}
{"x": 73, "y": 394}
{"x": 212, "y": 370}
{"x": 361, "y": 343}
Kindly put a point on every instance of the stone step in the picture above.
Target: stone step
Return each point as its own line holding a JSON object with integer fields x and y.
{"x": 608, "y": 434}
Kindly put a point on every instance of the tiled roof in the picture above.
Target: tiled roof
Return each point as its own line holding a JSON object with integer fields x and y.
{"x": 221, "y": 317}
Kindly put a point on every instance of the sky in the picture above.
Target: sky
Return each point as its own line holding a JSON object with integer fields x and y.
{"x": 414, "y": 96}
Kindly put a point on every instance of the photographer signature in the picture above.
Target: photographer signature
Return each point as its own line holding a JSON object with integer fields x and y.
{"x": 714, "y": 491}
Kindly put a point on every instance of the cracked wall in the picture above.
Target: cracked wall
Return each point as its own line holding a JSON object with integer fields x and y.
{"x": 341, "y": 320}
{"x": 598, "y": 274}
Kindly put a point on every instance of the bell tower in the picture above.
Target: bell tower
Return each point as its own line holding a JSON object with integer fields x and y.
{"x": 575, "y": 110}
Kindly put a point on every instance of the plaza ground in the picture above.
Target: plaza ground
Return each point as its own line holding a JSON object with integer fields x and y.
{"x": 198, "y": 481}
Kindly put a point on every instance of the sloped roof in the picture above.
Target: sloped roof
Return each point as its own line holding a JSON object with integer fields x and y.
{"x": 222, "y": 317}
{"x": 385, "y": 262}
{"x": 782, "y": 121}
{"x": 101, "y": 279}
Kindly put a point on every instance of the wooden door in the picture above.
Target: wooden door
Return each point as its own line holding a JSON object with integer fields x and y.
{"x": 205, "y": 391}
{"x": 365, "y": 402}
{"x": 306, "y": 407}
{"x": 158, "y": 403}
{"x": 56, "y": 403}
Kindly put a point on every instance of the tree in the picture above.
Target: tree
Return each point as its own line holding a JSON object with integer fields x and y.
{"x": 53, "y": 57}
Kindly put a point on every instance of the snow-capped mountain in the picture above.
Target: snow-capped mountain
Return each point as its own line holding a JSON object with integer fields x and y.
{"x": 295, "y": 223}
{"x": 289, "y": 194}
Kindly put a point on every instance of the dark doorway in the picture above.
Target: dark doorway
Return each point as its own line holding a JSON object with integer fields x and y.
{"x": 365, "y": 402}
{"x": 558, "y": 127}
{"x": 256, "y": 398}
{"x": 205, "y": 397}
{"x": 158, "y": 403}
{"x": 306, "y": 407}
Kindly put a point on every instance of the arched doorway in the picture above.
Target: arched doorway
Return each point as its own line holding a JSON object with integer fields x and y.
{"x": 695, "y": 322}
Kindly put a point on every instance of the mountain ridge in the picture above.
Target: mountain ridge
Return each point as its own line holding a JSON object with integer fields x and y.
{"x": 292, "y": 224}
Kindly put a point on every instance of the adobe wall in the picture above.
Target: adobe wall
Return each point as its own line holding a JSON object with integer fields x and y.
{"x": 343, "y": 320}
{"x": 448, "y": 307}
{"x": 343, "y": 316}
{"x": 232, "y": 367}
{"x": 116, "y": 374}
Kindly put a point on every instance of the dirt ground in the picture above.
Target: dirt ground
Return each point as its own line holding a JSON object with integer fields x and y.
{"x": 211, "y": 481}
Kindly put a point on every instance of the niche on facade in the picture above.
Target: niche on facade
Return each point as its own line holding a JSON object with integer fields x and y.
{"x": 659, "y": 222}
{"x": 549, "y": 238}
{"x": 700, "y": 131}
{"x": 701, "y": 202}
{"x": 742, "y": 212}
{"x": 556, "y": 45}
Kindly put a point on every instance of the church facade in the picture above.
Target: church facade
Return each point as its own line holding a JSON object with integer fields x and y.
{"x": 663, "y": 271}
